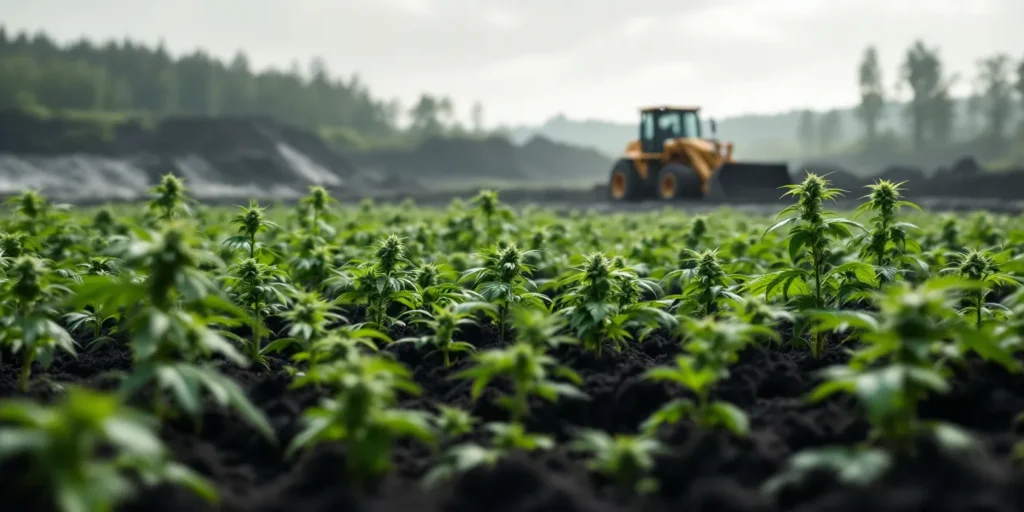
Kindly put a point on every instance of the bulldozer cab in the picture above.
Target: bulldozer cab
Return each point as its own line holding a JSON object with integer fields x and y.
{"x": 658, "y": 124}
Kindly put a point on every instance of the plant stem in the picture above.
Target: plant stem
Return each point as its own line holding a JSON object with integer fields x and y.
{"x": 521, "y": 404}
{"x": 26, "y": 370}
{"x": 979, "y": 297}
{"x": 817, "y": 346}
{"x": 256, "y": 324}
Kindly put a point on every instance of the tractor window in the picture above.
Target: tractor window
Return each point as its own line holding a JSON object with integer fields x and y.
{"x": 691, "y": 124}
{"x": 647, "y": 127}
{"x": 670, "y": 125}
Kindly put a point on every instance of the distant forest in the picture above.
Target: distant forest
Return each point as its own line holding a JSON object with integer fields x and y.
{"x": 130, "y": 78}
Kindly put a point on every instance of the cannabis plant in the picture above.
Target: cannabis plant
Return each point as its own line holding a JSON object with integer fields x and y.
{"x": 504, "y": 280}
{"x": 625, "y": 459}
{"x": 89, "y": 452}
{"x": 28, "y": 327}
{"x": 263, "y": 291}
{"x": 443, "y": 324}
{"x": 251, "y": 222}
{"x": 983, "y": 268}
{"x": 814, "y": 229}
{"x": 310, "y": 318}
{"x": 363, "y": 414}
{"x": 530, "y": 371}
{"x": 175, "y": 315}
{"x": 705, "y": 284}
{"x": 317, "y": 205}
{"x": 380, "y": 284}
{"x": 170, "y": 198}
{"x": 595, "y": 310}
{"x": 711, "y": 347}
{"x": 504, "y": 438}
{"x": 888, "y": 242}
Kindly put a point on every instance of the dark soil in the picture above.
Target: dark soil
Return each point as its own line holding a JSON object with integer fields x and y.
{"x": 705, "y": 472}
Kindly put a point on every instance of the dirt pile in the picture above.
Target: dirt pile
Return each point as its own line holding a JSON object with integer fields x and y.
{"x": 232, "y": 158}
{"x": 446, "y": 158}
{"x": 493, "y": 158}
{"x": 544, "y": 157}
{"x": 223, "y": 158}
{"x": 964, "y": 179}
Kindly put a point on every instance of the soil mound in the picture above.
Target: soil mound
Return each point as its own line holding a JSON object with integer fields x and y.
{"x": 457, "y": 159}
{"x": 837, "y": 175}
{"x": 220, "y": 158}
{"x": 544, "y": 157}
{"x": 444, "y": 158}
{"x": 234, "y": 158}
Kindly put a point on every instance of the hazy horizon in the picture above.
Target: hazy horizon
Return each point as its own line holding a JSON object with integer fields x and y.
{"x": 528, "y": 60}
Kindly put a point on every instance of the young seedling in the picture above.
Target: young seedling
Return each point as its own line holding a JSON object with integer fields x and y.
{"x": 317, "y": 205}
{"x": 981, "y": 267}
{"x": 888, "y": 243}
{"x": 705, "y": 284}
{"x": 174, "y": 314}
{"x": 711, "y": 347}
{"x": 504, "y": 439}
{"x": 898, "y": 368}
{"x": 496, "y": 216}
{"x": 917, "y": 326}
{"x": 310, "y": 318}
{"x": 170, "y": 198}
{"x": 263, "y": 291}
{"x": 504, "y": 281}
{"x": 363, "y": 414}
{"x": 539, "y": 328}
{"x": 379, "y": 285}
{"x": 28, "y": 327}
{"x": 251, "y": 222}
{"x": 810, "y": 238}
{"x": 529, "y": 369}
{"x": 321, "y": 363}
{"x": 433, "y": 289}
{"x": 90, "y": 451}
{"x": 444, "y": 324}
{"x": 626, "y": 460}
{"x": 593, "y": 304}
{"x": 453, "y": 422}
{"x": 311, "y": 263}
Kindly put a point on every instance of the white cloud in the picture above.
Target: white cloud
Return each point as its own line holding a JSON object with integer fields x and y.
{"x": 414, "y": 7}
{"x": 757, "y": 21}
{"x": 501, "y": 18}
{"x": 638, "y": 26}
{"x": 525, "y": 67}
{"x": 940, "y": 8}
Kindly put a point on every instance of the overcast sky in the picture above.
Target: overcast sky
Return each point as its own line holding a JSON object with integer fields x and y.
{"x": 527, "y": 60}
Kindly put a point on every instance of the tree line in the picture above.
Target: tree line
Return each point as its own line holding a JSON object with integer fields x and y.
{"x": 36, "y": 73}
{"x": 930, "y": 116}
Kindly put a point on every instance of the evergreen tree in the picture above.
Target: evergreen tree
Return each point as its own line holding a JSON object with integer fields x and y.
{"x": 872, "y": 99}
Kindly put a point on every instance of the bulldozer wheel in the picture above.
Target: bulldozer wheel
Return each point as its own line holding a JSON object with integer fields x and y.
{"x": 677, "y": 181}
{"x": 624, "y": 183}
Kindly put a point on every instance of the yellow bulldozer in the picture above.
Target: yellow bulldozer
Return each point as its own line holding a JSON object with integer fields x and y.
{"x": 671, "y": 160}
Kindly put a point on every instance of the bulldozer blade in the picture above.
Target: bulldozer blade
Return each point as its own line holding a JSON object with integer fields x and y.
{"x": 751, "y": 181}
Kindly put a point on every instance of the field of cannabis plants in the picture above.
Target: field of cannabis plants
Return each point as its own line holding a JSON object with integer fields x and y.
{"x": 324, "y": 356}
